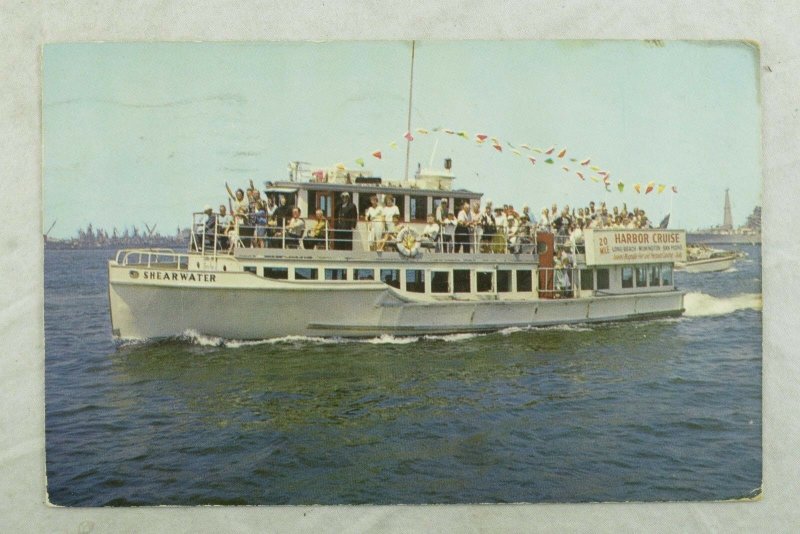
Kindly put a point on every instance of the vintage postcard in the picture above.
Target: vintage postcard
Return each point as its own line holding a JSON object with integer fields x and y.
{"x": 402, "y": 272}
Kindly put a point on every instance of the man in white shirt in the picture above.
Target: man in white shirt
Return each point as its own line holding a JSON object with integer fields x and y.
{"x": 430, "y": 235}
{"x": 295, "y": 228}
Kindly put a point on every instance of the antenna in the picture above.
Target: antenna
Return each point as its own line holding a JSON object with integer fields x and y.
{"x": 410, "y": 95}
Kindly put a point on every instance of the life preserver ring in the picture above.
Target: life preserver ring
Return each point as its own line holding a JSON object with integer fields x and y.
{"x": 407, "y": 243}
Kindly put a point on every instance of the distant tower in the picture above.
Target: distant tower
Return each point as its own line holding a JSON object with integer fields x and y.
{"x": 727, "y": 220}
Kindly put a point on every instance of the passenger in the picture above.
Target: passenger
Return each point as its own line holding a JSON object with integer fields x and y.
{"x": 463, "y": 227}
{"x": 258, "y": 218}
{"x": 316, "y": 235}
{"x": 512, "y": 222}
{"x": 592, "y": 214}
{"x": 576, "y": 238}
{"x": 545, "y": 225}
{"x": 449, "y": 233}
{"x": 241, "y": 212}
{"x": 295, "y": 229}
{"x": 430, "y": 235}
{"x": 563, "y": 267}
{"x": 389, "y": 211}
{"x": 375, "y": 222}
{"x": 489, "y": 226}
{"x": 345, "y": 222}
{"x": 209, "y": 228}
{"x": 224, "y": 226}
{"x": 526, "y": 216}
{"x": 477, "y": 229}
{"x": 389, "y": 238}
{"x": 441, "y": 212}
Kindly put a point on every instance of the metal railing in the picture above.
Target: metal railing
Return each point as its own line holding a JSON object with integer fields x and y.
{"x": 153, "y": 257}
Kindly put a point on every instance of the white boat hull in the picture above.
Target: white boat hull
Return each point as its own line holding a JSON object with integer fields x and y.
{"x": 710, "y": 265}
{"x": 242, "y": 306}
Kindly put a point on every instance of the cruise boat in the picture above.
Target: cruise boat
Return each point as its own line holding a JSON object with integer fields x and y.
{"x": 702, "y": 259}
{"x": 342, "y": 288}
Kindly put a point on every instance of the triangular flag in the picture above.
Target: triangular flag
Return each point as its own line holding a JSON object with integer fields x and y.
{"x": 549, "y": 160}
{"x": 463, "y": 134}
{"x": 497, "y": 147}
{"x": 595, "y": 168}
{"x": 620, "y": 186}
{"x": 585, "y": 162}
{"x": 448, "y": 131}
{"x": 650, "y": 186}
{"x": 533, "y": 160}
{"x": 516, "y": 152}
{"x": 393, "y": 145}
{"x": 422, "y": 131}
{"x": 377, "y": 154}
{"x": 595, "y": 178}
{"x": 636, "y": 188}
{"x": 606, "y": 180}
{"x": 360, "y": 162}
{"x": 565, "y": 169}
{"x": 481, "y": 137}
{"x": 661, "y": 188}
{"x": 562, "y": 153}
{"x": 549, "y": 150}
{"x": 538, "y": 150}
{"x": 408, "y": 136}
{"x": 603, "y": 173}
{"x": 674, "y": 189}
{"x": 580, "y": 175}
{"x": 525, "y": 146}
{"x": 509, "y": 144}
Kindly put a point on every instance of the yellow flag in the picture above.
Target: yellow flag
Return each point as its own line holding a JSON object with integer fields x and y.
{"x": 661, "y": 188}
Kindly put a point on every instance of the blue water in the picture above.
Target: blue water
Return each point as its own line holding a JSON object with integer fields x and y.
{"x": 642, "y": 411}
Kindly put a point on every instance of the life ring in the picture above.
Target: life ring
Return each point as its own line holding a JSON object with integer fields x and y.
{"x": 407, "y": 243}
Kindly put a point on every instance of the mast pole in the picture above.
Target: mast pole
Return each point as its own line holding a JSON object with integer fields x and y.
{"x": 410, "y": 95}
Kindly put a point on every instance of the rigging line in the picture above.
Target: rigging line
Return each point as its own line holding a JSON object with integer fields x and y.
{"x": 410, "y": 95}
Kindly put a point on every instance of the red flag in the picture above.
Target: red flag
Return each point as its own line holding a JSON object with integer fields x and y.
{"x": 549, "y": 150}
{"x": 649, "y": 187}
{"x": 408, "y": 136}
{"x": 585, "y": 162}
{"x": 533, "y": 160}
{"x": 376, "y": 154}
{"x": 562, "y": 153}
{"x": 498, "y": 147}
{"x": 481, "y": 137}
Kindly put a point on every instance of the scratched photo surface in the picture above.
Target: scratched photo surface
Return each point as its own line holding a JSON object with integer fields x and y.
{"x": 138, "y": 137}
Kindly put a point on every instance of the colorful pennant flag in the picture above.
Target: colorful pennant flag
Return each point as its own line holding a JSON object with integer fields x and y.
{"x": 580, "y": 175}
{"x": 377, "y": 154}
{"x": 549, "y": 150}
{"x": 525, "y": 146}
{"x": 510, "y": 145}
{"x": 360, "y": 162}
{"x": 533, "y": 160}
{"x": 463, "y": 134}
{"x": 538, "y": 150}
{"x": 650, "y": 186}
{"x": 585, "y": 162}
{"x": 448, "y": 131}
{"x": 620, "y": 186}
{"x": 422, "y": 131}
{"x": 562, "y": 153}
{"x": 516, "y": 152}
{"x": 549, "y": 160}
{"x": 408, "y": 136}
{"x": 606, "y": 180}
{"x": 661, "y": 188}
{"x": 393, "y": 145}
{"x": 595, "y": 179}
{"x": 498, "y": 147}
{"x": 481, "y": 137}
{"x": 636, "y": 187}
{"x": 565, "y": 169}
{"x": 674, "y": 189}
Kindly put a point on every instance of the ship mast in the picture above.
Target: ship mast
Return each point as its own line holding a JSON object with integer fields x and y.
{"x": 410, "y": 95}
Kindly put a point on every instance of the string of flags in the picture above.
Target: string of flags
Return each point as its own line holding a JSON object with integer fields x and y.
{"x": 579, "y": 167}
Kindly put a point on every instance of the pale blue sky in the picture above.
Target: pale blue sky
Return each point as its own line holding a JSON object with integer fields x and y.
{"x": 137, "y": 133}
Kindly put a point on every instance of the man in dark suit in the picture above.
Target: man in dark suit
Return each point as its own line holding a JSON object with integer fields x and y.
{"x": 345, "y": 222}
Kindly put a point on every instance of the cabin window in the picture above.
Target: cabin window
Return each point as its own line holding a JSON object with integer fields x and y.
{"x": 524, "y": 281}
{"x": 276, "y": 273}
{"x": 603, "y": 279}
{"x": 363, "y": 274}
{"x": 503, "y": 281}
{"x": 419, "y": 208}
{"x": 627, "y": 277}
{"x": 335, "y": 274}
{"x": 461, "y": 281}
{"x": 415, "y": 280}
{"x": 587, "y": 279}
{"x": 666, "y": 275}
{"x": 641, "y": 276}
{"x": 391, "y": 277}
{"x": 440, "y": 282}
{"x": 655, "y": 275}
{"x": 485, "y": 281}
{"x": 306, "y": 273}
{"x": 249, "y": 269}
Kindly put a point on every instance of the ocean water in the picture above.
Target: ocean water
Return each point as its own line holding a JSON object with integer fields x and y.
{"x": 638, "y": 411}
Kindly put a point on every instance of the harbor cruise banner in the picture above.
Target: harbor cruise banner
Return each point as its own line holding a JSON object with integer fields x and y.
{"x": 624, "y": 246}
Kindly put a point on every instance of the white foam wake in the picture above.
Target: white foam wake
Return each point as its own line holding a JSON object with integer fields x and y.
{"x": 702, "y": 305}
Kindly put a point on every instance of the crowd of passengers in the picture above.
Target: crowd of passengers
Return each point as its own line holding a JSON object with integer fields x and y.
{"x": 256, "y": 222}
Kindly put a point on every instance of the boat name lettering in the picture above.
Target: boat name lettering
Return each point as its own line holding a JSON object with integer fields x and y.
{"x": 644, "y": 238}
{"x": 188, "y": 277}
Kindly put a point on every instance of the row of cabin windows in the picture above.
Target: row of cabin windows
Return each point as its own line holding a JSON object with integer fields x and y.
{"x": 590, "y": 279}
{"x": 417, "y": 205}
{"x": 646, "y": 276}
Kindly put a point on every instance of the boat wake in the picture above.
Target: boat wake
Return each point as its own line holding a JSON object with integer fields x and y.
{"x": 702, "y": 305}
